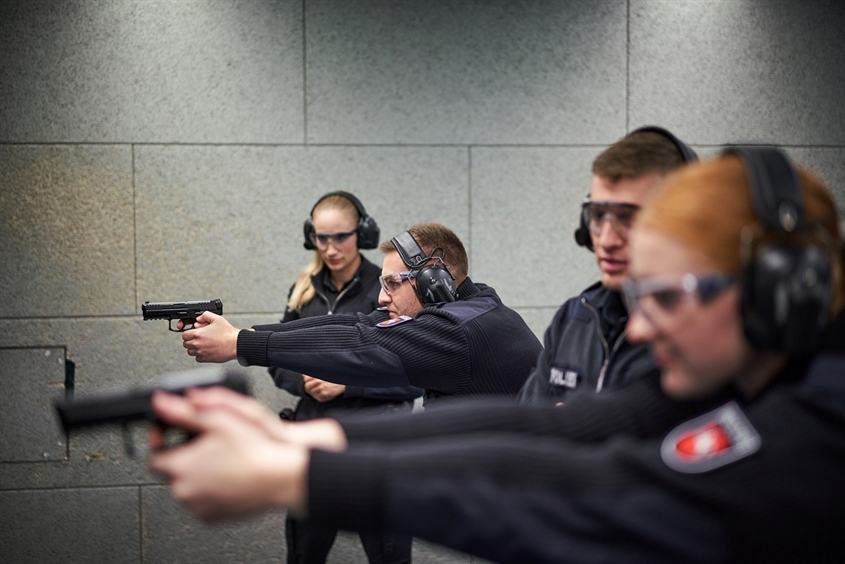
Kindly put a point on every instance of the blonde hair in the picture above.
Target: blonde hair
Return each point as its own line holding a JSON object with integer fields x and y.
{"x": 705, "y": 206}
{"x": 303, "y": 289}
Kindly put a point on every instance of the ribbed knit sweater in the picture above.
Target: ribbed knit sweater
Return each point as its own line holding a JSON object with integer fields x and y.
{"x": 629, "y": 475}
{"x": 474, "y": 346}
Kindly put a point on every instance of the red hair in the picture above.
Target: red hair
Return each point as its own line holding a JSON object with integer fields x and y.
{"x": 704, "y": 206}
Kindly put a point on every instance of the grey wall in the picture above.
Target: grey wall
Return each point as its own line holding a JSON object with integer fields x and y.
{"x": 170, "y": 149}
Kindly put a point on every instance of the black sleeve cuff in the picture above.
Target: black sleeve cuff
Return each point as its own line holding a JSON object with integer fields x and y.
{"x": 270, "y": 327}
{"x": 353, "y": 392}
{"x": 345, "y": 490}
{"x": 252, "y": 347}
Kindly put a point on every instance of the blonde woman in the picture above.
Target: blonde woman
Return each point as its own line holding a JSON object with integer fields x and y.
{"x": 338, "y": 279}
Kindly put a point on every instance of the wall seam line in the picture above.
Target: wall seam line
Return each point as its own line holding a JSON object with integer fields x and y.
{"x": 140, "y": 524}
{"x": 304, "y": 79}
{"x": 134, "y": 233}
{"x": 469, "y": 199}
{"x": 627, "y": 66}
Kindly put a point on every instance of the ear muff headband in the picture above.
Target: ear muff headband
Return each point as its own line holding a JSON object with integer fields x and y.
{"x": 409, "y": 250}
{"x": 433, "y": 283}
{"x": 367, "y": 230}
{"x": 686, "y": 151}
{"x": 786, "y": 286}
{"x": 774, "y": 188}
{"x": 582, "y": 234}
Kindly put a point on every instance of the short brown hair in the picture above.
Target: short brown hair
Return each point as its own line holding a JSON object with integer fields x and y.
{"x": 430, "y": 236}
{"x": 637, "y": 154}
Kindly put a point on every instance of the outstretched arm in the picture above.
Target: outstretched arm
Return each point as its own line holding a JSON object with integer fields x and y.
{"x": 429, "y": 352}
{"x": 581, "y": 500}
{"x": 638, "y": 410}
{"x": 243, "y": 459}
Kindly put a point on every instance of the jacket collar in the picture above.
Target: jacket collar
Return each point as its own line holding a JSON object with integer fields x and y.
{"x": 608, "y": 303}
{"x": 468, "y": 289}
{"x": 366, "y": 274}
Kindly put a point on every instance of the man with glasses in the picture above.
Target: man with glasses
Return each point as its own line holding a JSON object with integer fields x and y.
{"x": 585, "y": 346}
{"x": 437, "y": 330}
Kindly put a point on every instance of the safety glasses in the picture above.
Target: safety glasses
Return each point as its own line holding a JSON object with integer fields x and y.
{"x": 391, "y": 282}
{"x": 322, "y": 240}
{"x": 620, "y": 216}
{"x": 660, "y": 295}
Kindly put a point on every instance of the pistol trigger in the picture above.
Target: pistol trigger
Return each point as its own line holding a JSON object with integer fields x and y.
{"x": 186, "y": 324}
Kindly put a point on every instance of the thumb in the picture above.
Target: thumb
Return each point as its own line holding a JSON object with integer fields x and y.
{"x": 208, "y": 317}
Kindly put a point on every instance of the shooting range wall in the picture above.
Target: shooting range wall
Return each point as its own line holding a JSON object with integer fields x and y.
{"x": 169, "y": 150}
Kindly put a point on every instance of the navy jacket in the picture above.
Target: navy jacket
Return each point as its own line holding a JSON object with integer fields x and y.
{"x": 585, "y": 350}
{"x": 359, "y": 295}
{"x": 624, "y": 476}
{"x": 472, "y": 346}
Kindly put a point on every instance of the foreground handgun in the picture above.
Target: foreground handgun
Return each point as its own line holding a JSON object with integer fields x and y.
{"x": 186, "y": 311}
{"x": 129, "y": 404}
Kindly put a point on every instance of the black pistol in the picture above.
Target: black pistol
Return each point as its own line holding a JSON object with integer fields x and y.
{"x": 186, "y": 311}
{"x": 134, "y": 403}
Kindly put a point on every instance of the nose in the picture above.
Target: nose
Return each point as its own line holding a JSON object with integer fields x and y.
{"x": 608, "y": 237}
{"x": 639, "y": 328}
{"x": 384, "y": 298}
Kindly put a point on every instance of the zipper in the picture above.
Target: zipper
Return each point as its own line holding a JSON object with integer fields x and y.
{"x": 616, "y": 346}
{"x": 604, "y": 344}
{"x": 339, "y": 296}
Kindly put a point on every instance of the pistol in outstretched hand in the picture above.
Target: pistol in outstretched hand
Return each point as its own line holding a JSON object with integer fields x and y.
{"x": 128, "y": 404}
{"x": 187, "y": 312}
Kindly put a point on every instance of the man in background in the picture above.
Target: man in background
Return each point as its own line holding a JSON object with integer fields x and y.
{"x": 585, "y": 347}
{"x": 437, "y": 330}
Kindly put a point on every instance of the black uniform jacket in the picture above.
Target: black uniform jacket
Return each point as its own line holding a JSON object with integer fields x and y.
{"x": 359, "y": 295}
{"x": 585, "y": 350}
{"x": 625, "y": 476}
{"x": 472, "y": 346}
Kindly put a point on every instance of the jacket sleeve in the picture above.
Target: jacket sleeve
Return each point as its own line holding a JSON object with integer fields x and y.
{"x": 292, "y": 382}
{"x": 638, "y": 410}
{"x": 429, "y": 351}
{"x": 493, "y": 493}
{"x": 288, "y": 380}
{"x": 395, "y": 393}
{"x": 312, "y": 322}
{"x": 502, "y": 498}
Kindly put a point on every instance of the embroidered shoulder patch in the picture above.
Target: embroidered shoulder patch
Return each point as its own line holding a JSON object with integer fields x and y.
{"x": 394, "y": 321}
{"x": 712, "y": 440}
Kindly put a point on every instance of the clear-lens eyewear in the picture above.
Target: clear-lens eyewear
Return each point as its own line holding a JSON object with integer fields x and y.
{"x": 322, "y": 240}
{"x": 391, "y": 282}
{"x": 661, "y": 295}
{"x": 620, "y": 215}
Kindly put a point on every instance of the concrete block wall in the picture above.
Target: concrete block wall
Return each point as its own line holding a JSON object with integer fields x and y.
{"x": 170, "y": 149}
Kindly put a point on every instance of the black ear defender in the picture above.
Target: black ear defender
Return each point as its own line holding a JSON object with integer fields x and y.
{"x": 367, "y": 230}
{"x": 433, "y": 282}
{"x": 786, "y": 286}
{"x": 582, "y": 234}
